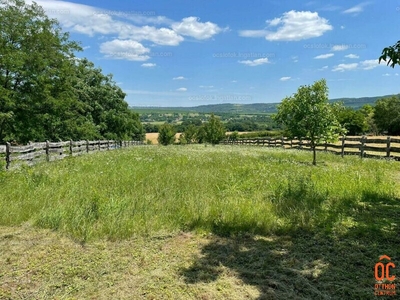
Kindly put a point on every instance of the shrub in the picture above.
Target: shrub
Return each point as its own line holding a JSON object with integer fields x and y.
{"x": 166, "y": 135}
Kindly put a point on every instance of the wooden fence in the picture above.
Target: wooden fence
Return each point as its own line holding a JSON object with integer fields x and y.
{"x": 47, "y": 151}
{"x": 364, "y": 146}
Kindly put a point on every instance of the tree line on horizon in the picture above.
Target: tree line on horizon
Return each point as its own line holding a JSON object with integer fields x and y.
{"x": 46, "y": 92}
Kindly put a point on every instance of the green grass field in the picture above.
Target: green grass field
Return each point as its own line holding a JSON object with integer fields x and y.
{"x": 196, "y": 222}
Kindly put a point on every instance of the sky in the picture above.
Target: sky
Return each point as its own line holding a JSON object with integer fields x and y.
{"x": 190, "y": 53}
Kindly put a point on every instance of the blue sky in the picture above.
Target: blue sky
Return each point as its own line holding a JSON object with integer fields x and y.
{"x": 189, "y": 53}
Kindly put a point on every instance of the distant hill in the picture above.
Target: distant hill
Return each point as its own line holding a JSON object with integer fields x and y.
{"x": 255, "y": 108}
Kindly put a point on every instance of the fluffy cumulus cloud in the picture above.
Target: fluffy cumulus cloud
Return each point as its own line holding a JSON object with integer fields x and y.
{"x": 256, "y": 62}
{"x": 126, "y": 25}
{"x": 179, "y": 78}
{"x": 182, "y": 89}
{"x": 125, "y": 49}
{"x": 324, "y": 56}
{"x": 285, "y": 78}
{"x": 192, "y": 27}
{"x": 345, "y": 67}
{"x": 292, "y": 26}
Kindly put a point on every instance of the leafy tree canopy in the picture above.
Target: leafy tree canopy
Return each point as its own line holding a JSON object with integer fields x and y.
{"x": 387, "y": 115}
{"x": 391, "y": 55}
{"x": 46, "y": 93}
{"x": 307, "y": 114}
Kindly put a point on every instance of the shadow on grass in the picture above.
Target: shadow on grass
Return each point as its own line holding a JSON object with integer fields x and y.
{"x": 310, "y": 263}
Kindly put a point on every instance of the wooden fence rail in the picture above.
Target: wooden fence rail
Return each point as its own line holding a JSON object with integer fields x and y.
{"x": 364, "y": 146}
{"x": 48, "y": 151}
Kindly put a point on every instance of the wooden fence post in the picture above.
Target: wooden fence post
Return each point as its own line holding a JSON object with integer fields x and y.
{"x": 362, "y": 146}
{"x": 388, "y": 147}
{"x": 8, "y": 155}
{"x": 283, "y": 145}
{"x": 87, "y": 146}
{"x": 47, "y": 151}
{"x": 300, "y": 143}
{"x": 326, "y": 146}
{"x": 343, "y": 143}
{"x": 108, "y": 144}
{"x": 99, "y": 144}
{"x": 70, "y": 147}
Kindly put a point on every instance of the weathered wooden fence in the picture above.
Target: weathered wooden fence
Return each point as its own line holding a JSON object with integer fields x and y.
{"x": 48, "y": 151}
{"x": 364, "y": 146}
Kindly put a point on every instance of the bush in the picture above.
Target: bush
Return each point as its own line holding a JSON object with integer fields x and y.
{"x": 166, "y": 135}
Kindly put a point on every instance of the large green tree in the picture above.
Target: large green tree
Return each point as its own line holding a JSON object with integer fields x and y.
{"x": 307, "y": 114}
{"x": 36, "y": 61}
{"x": 353, "y": 120}
{"x": 46, "y": 93}
{"x": 104, "y": 102}
{"x": 387, "y": 115}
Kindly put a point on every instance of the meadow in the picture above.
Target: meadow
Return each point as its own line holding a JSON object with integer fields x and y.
{"x": 198, "y": 222}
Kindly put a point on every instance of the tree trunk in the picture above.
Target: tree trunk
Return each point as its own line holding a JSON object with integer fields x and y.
{"x": 314, "y": 155}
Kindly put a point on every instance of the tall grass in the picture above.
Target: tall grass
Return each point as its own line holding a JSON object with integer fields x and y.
{"x": 147, "y": 190}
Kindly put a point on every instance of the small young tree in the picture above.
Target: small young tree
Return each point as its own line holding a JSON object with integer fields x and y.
{"x": 214, "y": 130}
{"x": 166, "y": 135}
{"x": 307, "y": 114}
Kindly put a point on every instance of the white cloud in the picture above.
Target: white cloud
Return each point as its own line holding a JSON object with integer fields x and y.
{"x": 206, "y": 86}
{"x": 298, "y": 25}
{"x": 342, "y": 27}
{"x": 323, "y": 68}
{"x": 90, "y": 20}
{"x": 192, "y": 27}
{"x": 125, "y": 49}
{"x": 292, "y": 26}
{"x": 324, "y": 56}
{"x": 182, "y": 89}
{"x": 234, "y": 81}
{"x": 340, "y": 47}
{"x": 179, "y": 78}
{"x": 160, "y": 36}
{"x": 256, "y": 62}
{"x": 397, "y": 74}
{"x": 356, "y": 9}
{"x": 345, "y": 67}
{"x": 148, "y": 65}
{"x": 284, "y": 78}
{"x": 387, "y": 74}
{"x": 352, "y": 56}
{"x": 253, "y": 33}
{"x": 370, "y": 64}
